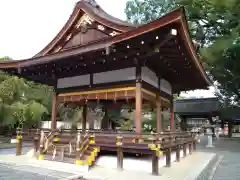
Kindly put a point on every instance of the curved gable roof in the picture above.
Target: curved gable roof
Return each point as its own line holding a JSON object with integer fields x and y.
{"x": 93, "y": 10}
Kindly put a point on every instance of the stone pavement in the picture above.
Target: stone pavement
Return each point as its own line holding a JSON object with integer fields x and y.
{"x": 227, "y": 162}
{"x": 12, "y": 167}
{"x": 10, "y": 171}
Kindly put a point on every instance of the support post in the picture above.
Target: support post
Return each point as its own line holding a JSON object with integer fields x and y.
{"x": 19, "y": 142}
{"x": 172, "y": 128}
{"x": 154, "y": 163}
{"x": 84, "y": 117}
{"x": 195, "y": 138}
{"x": 41, "y": 148}
{"x": 155, "y": 168}
{"x": 119, "y": 153}
{"x": 36, "y": 143}
{"x": 78, "y": 150}
{"x": 194, "y": 145}
{"x": 54, "y": 112}
{"x": 178, "y": 153}
{"x": 138, "y": 108}
{"x": 190, "y": 147}
{"x": 62, "y": 153}
{"x": 168, "y": 157}
{"x": 158, "y": 115}
{"x": 184, "y": 150}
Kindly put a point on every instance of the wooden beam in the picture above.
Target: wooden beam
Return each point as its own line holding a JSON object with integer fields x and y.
{"x": 97, "y": 91}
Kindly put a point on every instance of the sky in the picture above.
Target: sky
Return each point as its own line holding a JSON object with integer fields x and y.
{"x": 27, "y": 26}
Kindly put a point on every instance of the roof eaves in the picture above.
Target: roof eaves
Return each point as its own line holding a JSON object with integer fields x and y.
{"x": 191, "y": 48}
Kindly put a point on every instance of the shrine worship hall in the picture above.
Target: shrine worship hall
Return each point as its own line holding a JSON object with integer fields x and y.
{"x": 96, "y": 58}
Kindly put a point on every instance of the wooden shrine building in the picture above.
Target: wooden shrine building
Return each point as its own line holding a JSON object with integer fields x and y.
{"x": 196, "y": 111}
{"x": 96, "y": 57}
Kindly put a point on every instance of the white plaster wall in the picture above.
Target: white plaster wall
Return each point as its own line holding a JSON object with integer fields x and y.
{"x": 73, "y": 81}
{"x": 165, "y": 86}
{"x": 115, "y": 76}
{"x": 149, "y": 77}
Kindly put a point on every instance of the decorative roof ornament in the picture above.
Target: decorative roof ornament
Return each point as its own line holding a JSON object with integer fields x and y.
{"x": 84, "y": 20}
{"x": 114, "y": 33}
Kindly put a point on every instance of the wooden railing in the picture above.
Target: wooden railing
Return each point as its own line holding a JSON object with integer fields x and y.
{"x": 155, "y": 145}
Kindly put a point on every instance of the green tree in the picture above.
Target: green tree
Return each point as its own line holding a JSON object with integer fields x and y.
{"x": 226, "y": 71}
{"x": 21, "y": 102}
{"x": 140, "y": 12}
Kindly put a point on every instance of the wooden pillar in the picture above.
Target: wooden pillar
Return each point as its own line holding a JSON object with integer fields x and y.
{"x": 62, "y": 153}
{"x": 158, "y": 115}
{"x": 138, "y": 108}
{"x": 178, "y": 153}
{"x": 36, "y": 143}
{"x": 194, "y": 145}
{"x": 78, "y": 149}
{"x": 168, "y": 157}
{"x": 172, "y": 128}
{"x": 19, "y": 145}
{"x": 54, "y": 112}
{"x": 84, "y": 117}
{"x": 41, "y": 146}
{"x": 230, "y": 128}
{"x": 155, "y": 170}
{"x": 184, "y": 150}
{"x": 190, "y": 148}
{"x": 119, "y": 153}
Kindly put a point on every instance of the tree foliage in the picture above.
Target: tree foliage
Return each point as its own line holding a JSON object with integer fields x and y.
{"x": 140, "y": 12}
{"x": 21, "y": 102}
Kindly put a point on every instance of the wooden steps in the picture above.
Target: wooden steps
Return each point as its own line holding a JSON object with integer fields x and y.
{"x": 89, "y": 156}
